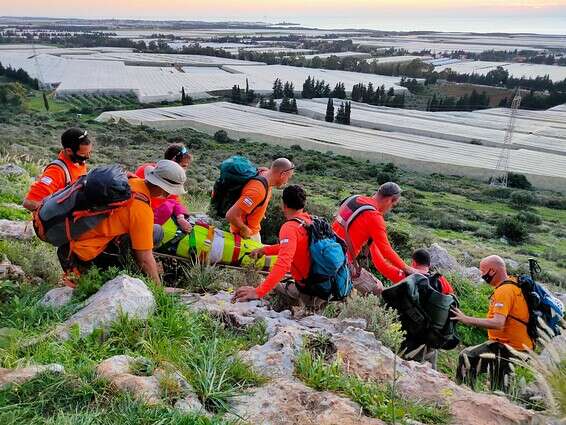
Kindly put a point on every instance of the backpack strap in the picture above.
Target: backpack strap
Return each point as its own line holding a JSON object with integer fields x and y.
{"x": 511, "y": 282}
{"x": 141, "y": 197}
{"x": 356, "y": 209}
{"x": 265, "y": 184}
{"x": 61, "y": 164}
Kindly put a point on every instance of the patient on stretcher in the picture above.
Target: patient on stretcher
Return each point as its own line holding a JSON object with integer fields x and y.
{"x": 206, "y": 242}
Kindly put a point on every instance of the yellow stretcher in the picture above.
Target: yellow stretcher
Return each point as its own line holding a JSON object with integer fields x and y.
{"x": 212, "y": 245}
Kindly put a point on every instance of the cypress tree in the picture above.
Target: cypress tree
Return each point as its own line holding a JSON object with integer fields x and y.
{"x": 294, "y": 109}
{"x": 285, "y": 105}
{"x": 307, "y": 89}
{"x": 329, "y": 111}
{"x": 289, "y": 90}
{"x": 236, "y": 94}
{"x": 347, "y": 113}
{"x": 271, "y": 104}
{"x": 341, "y": 114}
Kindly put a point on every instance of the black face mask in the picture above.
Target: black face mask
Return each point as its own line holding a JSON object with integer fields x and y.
{"x": 488, "y": 277}
{"x": 78, "y": 159}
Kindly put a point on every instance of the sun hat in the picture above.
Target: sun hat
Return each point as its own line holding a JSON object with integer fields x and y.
{"x": 168, "y": 175}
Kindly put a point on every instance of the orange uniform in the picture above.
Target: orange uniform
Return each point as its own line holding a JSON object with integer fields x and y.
{"x": 249, "y": 202}
{"x": 134, "y": 219}
{"x": 508, "y": 300}
{"x": 369, "y": 226}
{"x": 292, "y": 254}
{"x": 54, "y": 178}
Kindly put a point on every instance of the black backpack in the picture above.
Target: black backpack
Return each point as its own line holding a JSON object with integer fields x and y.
{"x": 424, "y": 312}
{"x": 235, "y": 173}
{"x": 79, "y": 207}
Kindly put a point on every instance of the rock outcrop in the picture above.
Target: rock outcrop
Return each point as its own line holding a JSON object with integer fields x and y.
{"x": 24, "y": 374}
{"x": 122, "y": 295}
{"x": 57, "y": 297}
{"x": 441, "y": 260}
{"x": 119, "y": 371}
{"x": 12, "y": 170}
{"x": 361, "y": 353}
{"x": 10, "y": 271}
{"x": 21, "y": 230}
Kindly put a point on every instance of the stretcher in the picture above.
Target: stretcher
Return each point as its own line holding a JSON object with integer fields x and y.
{"x": 212, "y": 245}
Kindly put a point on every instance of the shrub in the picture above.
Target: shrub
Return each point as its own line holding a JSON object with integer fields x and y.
{"x": 381, "y": 320}
{"x": 521, "y": 199}
{"x": 512, "y": 229}
{"x": 221, "y": 136}
{"x": 35, "y": 258}
{"x": 518, "y": 181}
{"x": 400, "y": 240}
{"x": 529, "y": 218}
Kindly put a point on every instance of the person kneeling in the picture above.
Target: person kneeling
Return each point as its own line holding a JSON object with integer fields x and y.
{"x": 292, "y": 253}
{"x": 506, "y": 326}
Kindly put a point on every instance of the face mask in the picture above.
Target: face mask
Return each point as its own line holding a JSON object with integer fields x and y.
{"x": 79, "y": 159}
{"x": 488, "y": 277}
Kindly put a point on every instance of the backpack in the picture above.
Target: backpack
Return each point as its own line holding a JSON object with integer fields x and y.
{"x": 423, "y": 311}
{"x": 70, "y": 212}
{"x": 349, "y": 210}
{"x": 329, "y": 277}
{"x": 545, "y": 310}
{"x": 235, "y": 173}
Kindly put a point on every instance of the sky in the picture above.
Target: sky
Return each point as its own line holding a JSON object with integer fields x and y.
{"x": 544, "y": 16}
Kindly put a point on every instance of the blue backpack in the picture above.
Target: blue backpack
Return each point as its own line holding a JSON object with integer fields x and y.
{"x": 545, "y": 310}
{"x": 329, "y": 277}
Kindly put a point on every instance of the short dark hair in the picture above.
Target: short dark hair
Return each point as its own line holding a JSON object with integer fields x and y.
{"x": 176, "y": 152}
{"x": 74, "y": 137}
{"x": 421, "y": 256}
{"x": 294, "y": 197}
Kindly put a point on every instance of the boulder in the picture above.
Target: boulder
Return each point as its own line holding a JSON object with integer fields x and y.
{"x": 12, "y": 170}
{"x": 24, "y": 374}
{"x": 122, "y": 295}
{"x": 57, "y": 297}
{"x": 442, "y": 260}
{"x": 9, "y": 271}
{"x": 473, "y": 274}
{"x": 288, "y": 402}
{"x": 10, "y": 229}
{"x": 118, "y": 371}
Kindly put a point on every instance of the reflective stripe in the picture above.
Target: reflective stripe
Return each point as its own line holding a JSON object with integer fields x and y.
{"x": 237, "y": 249}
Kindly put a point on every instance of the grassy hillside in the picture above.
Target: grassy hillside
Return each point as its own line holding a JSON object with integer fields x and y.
{"x": 467, "y": 217}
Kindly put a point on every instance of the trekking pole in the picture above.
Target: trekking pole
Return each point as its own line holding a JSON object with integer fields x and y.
{"x": 534, "y": 268}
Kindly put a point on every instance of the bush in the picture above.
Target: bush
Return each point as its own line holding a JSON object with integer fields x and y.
{"x": 521, "y": 199}
{"x": 221, "y": 136}
{"x": 381, "y": 320}
{"x": 400, "y": 240}
{"x": 529, "y": 218}
{"x": 512, "y": 229}
{"x": 35, "y": 258}
{"x": 518, "y": 181}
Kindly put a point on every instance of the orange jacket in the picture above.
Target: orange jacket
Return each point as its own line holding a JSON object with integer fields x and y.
{"x": 369, "y": 227}
{"x": 54, "y": 179}
{"x": 292, "y": 254}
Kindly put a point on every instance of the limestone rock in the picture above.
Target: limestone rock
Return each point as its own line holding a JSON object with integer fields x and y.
{"x": 239, "y": 314}
{"x": 57, "y": 297}
{"x": 10, "y": 271}
{"x": 122, "y": 295}
{"x": 10, "y": 229}
{"x": 12, "y": 170}
{"x": 287, "y": 402}
{"x": 276, "y": 358}
{"x": 118, "y": 371}
{"x": 441, "y": 259}
{"x": 24, "y": 374}
{"x": 473, "y": 274}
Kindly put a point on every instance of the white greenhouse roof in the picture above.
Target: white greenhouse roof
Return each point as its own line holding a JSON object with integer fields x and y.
{"x": 421, "y": 153}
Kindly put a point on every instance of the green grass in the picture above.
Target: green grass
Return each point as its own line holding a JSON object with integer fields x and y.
{"x": 202, "y": 348}
{"x": 377, "y": 400}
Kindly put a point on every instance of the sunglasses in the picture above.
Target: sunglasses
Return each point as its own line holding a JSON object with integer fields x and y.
{"x": 83, "y": 135}
{"x": 181, "y": 153}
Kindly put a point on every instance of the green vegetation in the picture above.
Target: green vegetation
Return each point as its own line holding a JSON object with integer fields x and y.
{"x": 377, "y": 400}
{"x": 202, "y": 348}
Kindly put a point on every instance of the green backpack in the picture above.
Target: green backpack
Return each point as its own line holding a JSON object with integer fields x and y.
{"x": 424, "y": 312}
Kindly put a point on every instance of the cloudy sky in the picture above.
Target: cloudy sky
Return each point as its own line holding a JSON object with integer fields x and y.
{"x": 547, "y": 16}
